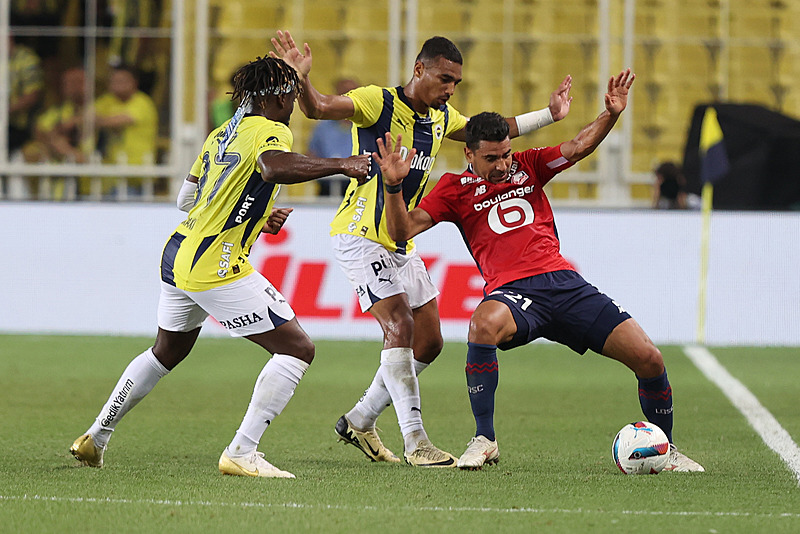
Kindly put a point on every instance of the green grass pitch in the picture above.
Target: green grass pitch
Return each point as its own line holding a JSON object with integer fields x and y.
{"x": 556, "y": 415}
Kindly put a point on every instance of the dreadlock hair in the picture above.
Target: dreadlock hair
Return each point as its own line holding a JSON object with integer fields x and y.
{"x": 263, "y": 77}
{"x": 253, "y": 84}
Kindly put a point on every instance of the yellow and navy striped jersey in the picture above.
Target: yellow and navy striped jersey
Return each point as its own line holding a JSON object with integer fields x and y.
{"x": 210, "y": 248}
{"x": 379, "y": 110}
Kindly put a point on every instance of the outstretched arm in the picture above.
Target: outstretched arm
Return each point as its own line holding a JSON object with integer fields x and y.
{"x": 557, "y": 109}
{"x": 616, "y": 99}
{"x": 313, "y": 104}
{"x": 292, "y": 168}
{"x": 401, "y": 224}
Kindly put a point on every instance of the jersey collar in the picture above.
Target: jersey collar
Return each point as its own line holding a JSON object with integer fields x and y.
{"x": 404, "y": 99}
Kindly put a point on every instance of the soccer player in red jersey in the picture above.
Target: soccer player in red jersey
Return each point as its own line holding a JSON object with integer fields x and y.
{"x": 531, "y": 291}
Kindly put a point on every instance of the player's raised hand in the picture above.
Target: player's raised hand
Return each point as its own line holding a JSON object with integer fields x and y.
{"x": 617, "y": 96}
{"x": 286, "y": 49}
{"x": 357, "y": 167}
{"x": 394, "y": 167}
{"x": 560, "y": 99}
{"x": 276, "y": 220}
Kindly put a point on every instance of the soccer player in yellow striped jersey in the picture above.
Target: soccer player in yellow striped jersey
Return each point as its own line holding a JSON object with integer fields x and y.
{"x": 388, "y": 276}
{"x": 229, "y": 195}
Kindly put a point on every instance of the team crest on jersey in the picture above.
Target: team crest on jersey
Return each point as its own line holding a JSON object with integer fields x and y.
{"x": 438, "y": 131}
{"x": 519, "y": 178}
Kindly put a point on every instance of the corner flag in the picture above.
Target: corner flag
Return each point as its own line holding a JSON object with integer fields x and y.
{"x": 714, "y": 166}
{"x": 714, "y": 160}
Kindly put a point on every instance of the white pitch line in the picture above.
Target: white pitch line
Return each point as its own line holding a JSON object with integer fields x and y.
{"x": 773, "y": 434}
{"x": 458, "y": 509}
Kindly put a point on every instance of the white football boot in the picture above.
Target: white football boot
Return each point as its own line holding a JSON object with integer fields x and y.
{"x": 679, "y": 462}
{"x": 253, "y": 465}
{"x": 480, "y": 450}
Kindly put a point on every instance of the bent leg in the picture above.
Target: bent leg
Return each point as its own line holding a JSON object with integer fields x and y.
{"x": 629, "y": 344}
{"x": 293, "y": 352}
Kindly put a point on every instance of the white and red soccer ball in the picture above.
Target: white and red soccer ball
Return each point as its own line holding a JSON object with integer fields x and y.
{"x": 640, "y": 448}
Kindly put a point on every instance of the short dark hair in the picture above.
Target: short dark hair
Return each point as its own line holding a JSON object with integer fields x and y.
{"x": 437, "y": 47}
{"x": 486, "y": 126}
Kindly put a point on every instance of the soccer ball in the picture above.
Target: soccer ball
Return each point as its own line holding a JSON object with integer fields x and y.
{"x": 640, "y": 449}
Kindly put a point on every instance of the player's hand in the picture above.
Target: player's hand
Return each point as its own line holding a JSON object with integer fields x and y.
{"x": 617, "y": 96}
{"x": 560, "y": 99}
{"x": 276, "y": 220}
{"x": 394, "y": 167}
{"x": 286, "y": 49}
{"x": 357, "y": 167}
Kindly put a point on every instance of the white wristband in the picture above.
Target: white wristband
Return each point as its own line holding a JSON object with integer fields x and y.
{"x": 533, "y": 120}
{"x": 186, "y": 196}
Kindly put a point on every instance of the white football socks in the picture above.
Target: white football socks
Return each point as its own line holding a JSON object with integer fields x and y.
{"x": 375, "y": 400}
{"x": 138, "y": 379}
{"x": 274, "y": 387}
{"x": 397, "y": 370}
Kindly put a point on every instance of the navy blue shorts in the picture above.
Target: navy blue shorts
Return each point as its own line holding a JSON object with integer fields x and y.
{"x": 560, "y": 306}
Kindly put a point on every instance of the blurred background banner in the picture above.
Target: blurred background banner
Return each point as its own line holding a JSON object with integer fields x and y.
{"x": 95, "y": 271}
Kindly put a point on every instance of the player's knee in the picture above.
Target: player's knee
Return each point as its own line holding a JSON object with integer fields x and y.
{"x": 398, "y": 329}
{"x": 427, "y": 350}
{"x": 650, "y": 362}
{"x": 485, "y": 329}
{"x": 304, "y": 349}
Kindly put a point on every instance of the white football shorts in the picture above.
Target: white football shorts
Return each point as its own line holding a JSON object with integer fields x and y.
{"x": 244, "y": 307}
{"x": 376, "y": 274}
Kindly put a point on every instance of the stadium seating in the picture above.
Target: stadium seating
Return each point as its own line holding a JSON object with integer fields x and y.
{"x": 515, "y": 52}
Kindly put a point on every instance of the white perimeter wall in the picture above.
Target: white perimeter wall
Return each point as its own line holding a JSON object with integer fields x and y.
{"x": 93, "y": 269}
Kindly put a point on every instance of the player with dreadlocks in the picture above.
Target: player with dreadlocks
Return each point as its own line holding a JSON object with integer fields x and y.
{"x": 229, "y": 196}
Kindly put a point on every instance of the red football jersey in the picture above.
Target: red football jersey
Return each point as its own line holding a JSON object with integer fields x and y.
{"x": 508, "y": 227}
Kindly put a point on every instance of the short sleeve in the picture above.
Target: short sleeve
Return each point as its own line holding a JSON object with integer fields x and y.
{"x": 368, "y": 104}
{"x": 545, "y": 162}
{"x": 274, "y": 136}
{"x": 197, "y": 166}
{"x": 441, "y": 202}
{"x": 456, "y": 121}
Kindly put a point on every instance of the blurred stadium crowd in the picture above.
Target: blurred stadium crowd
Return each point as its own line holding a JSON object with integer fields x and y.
{"x": 89, "y": 80}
